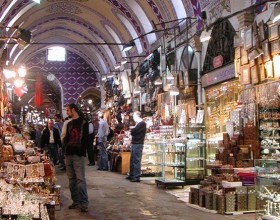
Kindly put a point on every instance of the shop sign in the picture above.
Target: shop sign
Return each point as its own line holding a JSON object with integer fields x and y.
{"x": 217, "y": 76}
{"x": 218, "y": 61}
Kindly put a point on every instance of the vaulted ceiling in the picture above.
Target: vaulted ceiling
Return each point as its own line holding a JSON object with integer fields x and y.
{"x": 92, "y": 29}
{"x": 68, "y": 22}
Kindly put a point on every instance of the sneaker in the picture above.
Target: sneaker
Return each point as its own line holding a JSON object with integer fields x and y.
{"x": 128, "y": 178}
{"x": 134, "y": 180}
{"x": 84, "y": 209}
{"x": 73, "y": 206}
{"x": 91, "y": 164}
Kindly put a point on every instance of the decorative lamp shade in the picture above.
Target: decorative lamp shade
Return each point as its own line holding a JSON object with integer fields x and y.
{"x": 205, "y": 36}
{"x": 19, "y": 91}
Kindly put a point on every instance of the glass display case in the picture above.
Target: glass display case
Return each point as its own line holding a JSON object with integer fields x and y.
{"x": 173, "y": 162}
{"x": 267, "y": 189}
{"x": 151, "y": 159}
{"x": 268, "y": 171}
{"x": 220, "y": 101}
{"x": 269, "y": 118}
{"x": 195, "y": 154}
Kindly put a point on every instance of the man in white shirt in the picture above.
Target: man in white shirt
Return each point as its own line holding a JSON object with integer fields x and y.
{"x": 103, "y": 131}
{"x": 50, "y": 141}
{"x": 90, "y": 146}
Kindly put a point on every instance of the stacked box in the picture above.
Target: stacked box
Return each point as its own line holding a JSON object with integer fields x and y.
{"x": 241, "y": 190}
{"x": 252, "y": 198}
{"x": 191, "y": 198}
{"x": 201, "y": 198}
{"x": 230, "y": 202}
{"x": 242, "y": 203}
{"x": 194, "y": 196}
{"x": 260, "y": 204}
{"x": 209, "y": 200}
{"x": 226, "y": 138}
{"x": 221, "y": 204}
{"x": 248, "y": 163}
{"x": 215, "y": 201}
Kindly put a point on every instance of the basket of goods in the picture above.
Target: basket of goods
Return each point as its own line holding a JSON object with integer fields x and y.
{"x": 7, "y": 152}
{"x": 18, "y": 143}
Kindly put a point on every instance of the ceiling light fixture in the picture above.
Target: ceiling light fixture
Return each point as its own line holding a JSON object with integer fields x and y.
{"x": 128, "y": 46}
{"x": 104, "y": 77}
{"x": 117, "y": 66}
{"x": 173, "y": 90}
{"x": 205, "y": 36}
{"x": 158, "y": 82}
{"x": 124, "y": 61}
{"x": 275, "y": 16}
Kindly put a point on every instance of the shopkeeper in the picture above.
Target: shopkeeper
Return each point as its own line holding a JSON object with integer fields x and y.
{"x": 50, "y": 141}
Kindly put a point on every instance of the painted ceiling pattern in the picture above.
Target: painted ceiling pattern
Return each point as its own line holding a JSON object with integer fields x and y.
{"x": 74, "y": 75}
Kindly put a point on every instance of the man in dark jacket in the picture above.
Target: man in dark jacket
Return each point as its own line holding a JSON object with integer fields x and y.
{"x": 50, "y": 141}
{"x": 137, "y": 143}
{"x": 76, "y": 143}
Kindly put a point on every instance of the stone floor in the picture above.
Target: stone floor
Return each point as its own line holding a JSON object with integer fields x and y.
{"x": 112, "y": 197}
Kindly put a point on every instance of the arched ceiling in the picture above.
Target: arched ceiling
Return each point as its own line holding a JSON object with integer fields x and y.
{"x": 69, "y": 22}
{"x": 95, "y": 30}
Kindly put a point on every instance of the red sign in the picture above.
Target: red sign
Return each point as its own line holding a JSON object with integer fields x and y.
{"x": 218, "y": 61}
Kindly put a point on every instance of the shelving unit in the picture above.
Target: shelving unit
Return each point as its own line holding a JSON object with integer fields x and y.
{"x": 151, "y": 159}
{"x": 269, "y": 118}
{"x": 195, "y": 154}
{"x": 174, "y": 163}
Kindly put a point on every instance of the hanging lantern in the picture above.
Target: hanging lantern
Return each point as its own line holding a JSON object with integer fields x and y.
{"x": 19, "y": 91}
{"x": 38, "y": 98}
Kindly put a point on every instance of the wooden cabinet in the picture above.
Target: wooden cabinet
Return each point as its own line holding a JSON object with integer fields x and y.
{"x": 125, "y": 162}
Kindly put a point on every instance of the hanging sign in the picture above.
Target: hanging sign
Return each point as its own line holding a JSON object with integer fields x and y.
{"x": 218, "y": 61}
{"x": 217, "y": 76}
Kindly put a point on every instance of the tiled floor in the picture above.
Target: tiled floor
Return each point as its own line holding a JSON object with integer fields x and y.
{"x": 112, "y": 197}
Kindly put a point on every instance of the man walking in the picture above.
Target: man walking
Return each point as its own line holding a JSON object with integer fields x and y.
{"x": 76, "y": 143}
{"x": 50, "y": 141}
{"x": 103, "y": 131}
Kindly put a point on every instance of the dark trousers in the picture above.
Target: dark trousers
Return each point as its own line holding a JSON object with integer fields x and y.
{"x": 135, "y": 161}
{"x": 52, "y": 151}
{"x": 90, "y": 152}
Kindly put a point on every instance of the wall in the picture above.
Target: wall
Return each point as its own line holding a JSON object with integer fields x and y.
{"x": 75, "y": 75}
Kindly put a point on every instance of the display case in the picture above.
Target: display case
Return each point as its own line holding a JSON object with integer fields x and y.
{"x": 269, "y": 118}
{"x": 195, "y": 154}
{"x": 267, "y": 188}
{"x": 220, "y": 101}
{"x": 268, "y": 172}
{"x": 173, "y": 166}
{"x": 151, "y": 158}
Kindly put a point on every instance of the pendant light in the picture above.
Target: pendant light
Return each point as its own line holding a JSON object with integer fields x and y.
{"x": 173, "y": 91}
{"x": 275, "y": 16}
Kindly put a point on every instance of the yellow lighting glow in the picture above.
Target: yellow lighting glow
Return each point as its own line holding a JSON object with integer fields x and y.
{"x": 276, "y": 68}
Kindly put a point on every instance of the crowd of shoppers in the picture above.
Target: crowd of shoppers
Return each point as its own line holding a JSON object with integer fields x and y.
{"x": 68, "y": 142}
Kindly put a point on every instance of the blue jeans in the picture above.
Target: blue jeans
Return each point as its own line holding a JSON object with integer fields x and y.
{"x": 75, "y": 169}
{"x": 135, "y": 161}
{"x": 102, "y": 153}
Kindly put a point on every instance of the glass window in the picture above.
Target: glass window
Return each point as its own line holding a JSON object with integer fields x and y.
{"x": 56, "y": 54}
